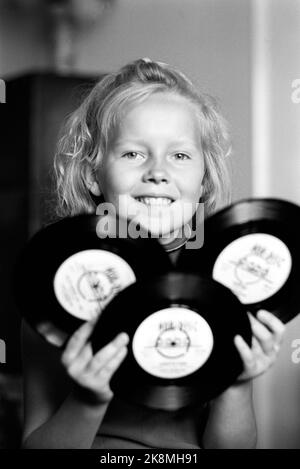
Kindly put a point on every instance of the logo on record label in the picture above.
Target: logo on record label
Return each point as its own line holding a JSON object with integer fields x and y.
{"x": 172, "y": 342}
{"x": 87, "y": 281}
{"x": 254, "y": 267}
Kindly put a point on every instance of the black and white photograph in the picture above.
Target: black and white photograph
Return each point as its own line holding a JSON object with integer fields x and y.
{"x": 150, "y": 227}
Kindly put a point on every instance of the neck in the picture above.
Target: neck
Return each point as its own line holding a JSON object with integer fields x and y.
{"x": 175, "y": 242}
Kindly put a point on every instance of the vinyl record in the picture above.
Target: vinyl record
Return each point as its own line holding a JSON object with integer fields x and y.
{"x": 69, "y": 271}
{"x": 181, "y": 328}
{"x": 252, "y": 247}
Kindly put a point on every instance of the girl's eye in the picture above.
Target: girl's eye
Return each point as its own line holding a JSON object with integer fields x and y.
{"x": 181, "y": 156}
{"x": 132, "y": 155}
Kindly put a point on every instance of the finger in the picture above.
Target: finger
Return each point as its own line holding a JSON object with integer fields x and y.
{"x": 77, "y": 342}
{"x": 262, "y": 334}
{"x": 273, "y": 323}
{"x": 245, "y": 352}
{"x": 77, "y": 367}
{"x": 107, "y": 353}
{"x": 113, "y": 364}
{"x": 259, "y": 351}
{"x": 256, "y": 347}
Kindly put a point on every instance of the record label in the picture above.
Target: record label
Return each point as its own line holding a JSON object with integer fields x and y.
{"x": 87, "y": 281}
{"x": 172, "y": 342}
{"x": 254, "y": 266}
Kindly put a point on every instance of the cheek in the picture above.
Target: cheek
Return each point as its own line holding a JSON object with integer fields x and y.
{"x": 196, "y": 187}
{"x": 193, "y": 187}
{"x": 114, "y": 182}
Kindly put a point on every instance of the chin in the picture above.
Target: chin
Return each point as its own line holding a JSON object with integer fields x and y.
{"x": 159, "y": 227}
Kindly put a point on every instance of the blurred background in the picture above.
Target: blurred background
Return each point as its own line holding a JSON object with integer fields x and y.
{"x": 243, "y": 52}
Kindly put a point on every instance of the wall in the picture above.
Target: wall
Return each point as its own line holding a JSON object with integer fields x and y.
{"x": 276, "y": 173}
{"x": 24, "y": 40}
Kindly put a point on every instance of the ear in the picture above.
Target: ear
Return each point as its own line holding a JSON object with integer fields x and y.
{"x": 91, "y": 181}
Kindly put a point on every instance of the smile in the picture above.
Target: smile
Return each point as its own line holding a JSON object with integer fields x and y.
{"x": 155, "y": 200}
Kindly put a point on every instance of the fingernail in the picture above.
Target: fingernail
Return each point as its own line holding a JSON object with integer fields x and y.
{"x": 263, "y": 313}
{"x": 237, "y": 338}
{"x": 123, "y": 337}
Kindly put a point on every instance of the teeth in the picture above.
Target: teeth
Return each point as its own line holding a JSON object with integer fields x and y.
{"x": 155, "y": 200}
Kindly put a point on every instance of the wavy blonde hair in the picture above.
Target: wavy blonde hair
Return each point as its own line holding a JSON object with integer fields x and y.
{"x": 87, "y": 133}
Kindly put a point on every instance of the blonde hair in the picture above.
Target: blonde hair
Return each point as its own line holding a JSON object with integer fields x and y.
{"x": 88, "y": 131}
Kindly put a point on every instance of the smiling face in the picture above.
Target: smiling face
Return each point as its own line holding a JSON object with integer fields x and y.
{"x": 153, "y": 170}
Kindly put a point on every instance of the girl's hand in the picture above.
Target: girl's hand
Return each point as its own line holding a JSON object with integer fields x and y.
{"x": 93, "y": 373}
{"x": 267, "y": 336}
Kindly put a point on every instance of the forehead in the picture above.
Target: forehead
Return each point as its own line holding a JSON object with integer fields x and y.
{"x": 158, "y": 112}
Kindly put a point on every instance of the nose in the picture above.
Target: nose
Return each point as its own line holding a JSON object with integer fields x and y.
{"x": 156, "y": 174}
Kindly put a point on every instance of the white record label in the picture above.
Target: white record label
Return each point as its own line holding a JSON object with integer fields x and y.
{"x": 254, "y": 267}
{"x": 172, "y": 343}
{"x": 88, "y": 280}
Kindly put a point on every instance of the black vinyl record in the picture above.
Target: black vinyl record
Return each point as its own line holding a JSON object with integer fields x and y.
{"x": 252, "y": 247}
{"x": 70, "y": 270}
{"x": 181, "y": 350}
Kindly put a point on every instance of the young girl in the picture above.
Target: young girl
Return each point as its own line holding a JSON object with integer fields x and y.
{"x": 146, "y": 141}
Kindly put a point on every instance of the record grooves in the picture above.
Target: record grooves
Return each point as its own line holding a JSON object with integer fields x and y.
{"x": 252, "y": 247}
{"x": 181, "y": 328}
{"x": 67, "y": 273}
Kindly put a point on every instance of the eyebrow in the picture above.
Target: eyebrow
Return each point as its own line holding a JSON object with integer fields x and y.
{"x": 175, "y": 143}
